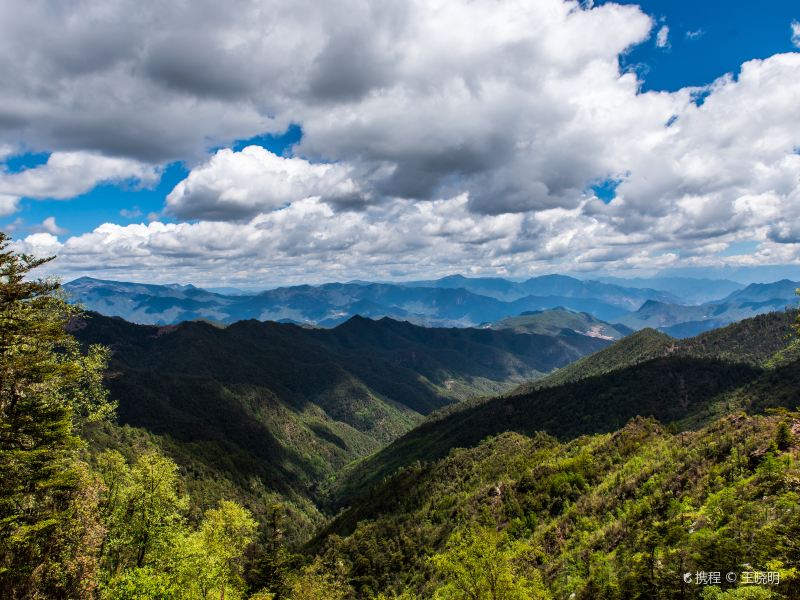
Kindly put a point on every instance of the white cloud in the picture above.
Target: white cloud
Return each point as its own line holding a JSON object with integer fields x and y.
{"x": 49, "y": 225}
{"x": 438, "y": 135}
{"x": 8, "y": 204}
{"x": 662, "y": 37}
{"x": 795, "y": 25}
{"x": 41, "y": 244}
{"x": 239, "y": 185}
{"x": 68, "y": 174}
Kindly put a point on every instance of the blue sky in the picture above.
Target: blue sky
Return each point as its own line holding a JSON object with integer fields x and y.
{"x": 121, "y": 203}
{"x": 398, "y": 145}
{"x": 706, "y": 40}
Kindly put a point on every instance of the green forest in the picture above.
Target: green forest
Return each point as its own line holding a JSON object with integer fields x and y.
{"x": 653, "y": 468}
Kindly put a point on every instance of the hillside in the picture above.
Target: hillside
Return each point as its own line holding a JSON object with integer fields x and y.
{"x": 556, "y": 320}
{"x": 646, "y": 374}
{"x": 614, "y": 515}
{"x": 288, "y": 406}
{"x": 752, "y": 341}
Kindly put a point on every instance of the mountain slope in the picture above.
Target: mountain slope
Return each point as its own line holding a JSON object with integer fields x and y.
{"x": 616, "y": 515}
{"x": 288, "y": 406}
{"x": 556, "y": 320}
{"x": 646, "y": 374}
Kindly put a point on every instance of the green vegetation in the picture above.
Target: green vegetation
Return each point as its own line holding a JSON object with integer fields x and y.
{"x": 75, "y": 523}
{"x": 618, "y": 515}
{"x": 612, "y": 479}
{"x": 48, "y": 390}
{"x": 268, "y": 412}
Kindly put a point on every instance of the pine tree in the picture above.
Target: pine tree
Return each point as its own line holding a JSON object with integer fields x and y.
{"x": 47, "y": 388}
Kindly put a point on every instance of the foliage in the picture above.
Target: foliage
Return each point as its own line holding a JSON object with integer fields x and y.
{"x": 151, "y": 551}
{"x": 607, "y": 516}
{"x": 48, "y": 390}
{"x": 687, "y": 383}
{"x": 318, "y": 582}
{"x": 569, "y": 489}
{"x": 483, "y": 564}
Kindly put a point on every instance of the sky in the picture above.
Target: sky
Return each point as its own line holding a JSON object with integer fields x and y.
{"x": 290, "y": 141}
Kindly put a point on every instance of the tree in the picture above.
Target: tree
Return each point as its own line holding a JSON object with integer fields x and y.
{"x": 143, "y": 511}
{"x": 783, "y": 436}
{"x": 225, "y": 534}
{"x": 48, "y": 389}
{"x": 484, "y": 564}
{"x": 316, "y": 582}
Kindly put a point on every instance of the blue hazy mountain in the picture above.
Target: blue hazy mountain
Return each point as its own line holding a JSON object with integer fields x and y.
{"x": 689, "y": 289}
{"x": 629, "y": 297}
{"x": 454, "y": 301}
{"x": 686, "y": 321}
{"x": 443, "y": 304}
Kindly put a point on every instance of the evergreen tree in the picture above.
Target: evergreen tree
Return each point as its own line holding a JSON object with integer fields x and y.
{"x": 48, "y": 388}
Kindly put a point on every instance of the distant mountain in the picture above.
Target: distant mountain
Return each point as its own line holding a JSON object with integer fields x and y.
{"x": 690, "y": 290}
{"x": 289, "y": 406}
{"x": 763, "y": 292}
{"x": 686, "y": 321}
{"x": 557, "y": 320}
{"x": 325, "y": 305}
{"x": 661, "y": 314}
{"x": 628, "y": 297}
{"x": 454, "y": 301}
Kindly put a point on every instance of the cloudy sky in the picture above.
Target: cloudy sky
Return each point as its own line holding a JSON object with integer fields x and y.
{"x": 280, "y": 141}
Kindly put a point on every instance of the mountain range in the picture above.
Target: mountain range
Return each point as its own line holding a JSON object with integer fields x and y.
{"x": 686, "y": 321}
{"x": 385, "y": 443}
{"x": 450, "y": 302}
{"x": 290, "y": 406}
{"x": 454, "y": 301}
{"x": 645, "y": 374}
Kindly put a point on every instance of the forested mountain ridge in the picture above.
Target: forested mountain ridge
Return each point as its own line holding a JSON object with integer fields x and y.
{"x": 646, "y": 374}
{"x": 287, "y": 406}
{"x": 753, "y": 341}
{"x": 617, "y": 515}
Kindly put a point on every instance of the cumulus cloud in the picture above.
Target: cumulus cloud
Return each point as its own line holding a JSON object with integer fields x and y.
{"x": 437, "y": 135}
{"x": 239, "y": 185}
{"x": 795, "y": 26}
{"x": 8, "y": 204}
{"x": 68, "y": 174}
